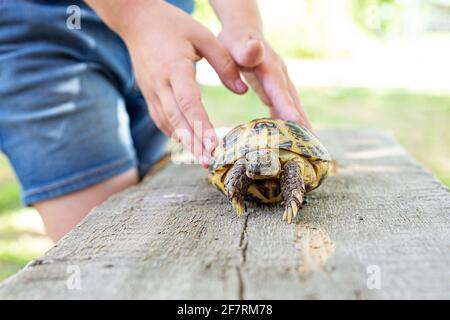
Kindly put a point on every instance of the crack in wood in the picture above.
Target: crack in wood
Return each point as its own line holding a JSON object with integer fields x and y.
{"x": 243, "y": 245}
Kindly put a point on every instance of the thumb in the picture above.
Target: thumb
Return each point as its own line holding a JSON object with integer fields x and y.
{"x": 247, "y": 52}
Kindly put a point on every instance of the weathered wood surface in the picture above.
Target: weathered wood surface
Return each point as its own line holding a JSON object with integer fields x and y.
{"x": 174, "y": 236}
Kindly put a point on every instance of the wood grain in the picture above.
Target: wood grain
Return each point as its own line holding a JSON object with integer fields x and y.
{"x": 175, "y": 236}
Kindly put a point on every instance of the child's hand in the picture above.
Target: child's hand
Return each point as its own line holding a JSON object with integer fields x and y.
{"x": 266, "y": 72}
{"x": 164, "y": 42}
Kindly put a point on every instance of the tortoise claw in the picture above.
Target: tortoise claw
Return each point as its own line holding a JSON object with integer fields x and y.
{"x": 297, "y": 195}
{"x": 285, "y": 214}
{"x": 290, "y": 211}
{"x": 289, "y": 214}
{"x": 238, "y": 206}
{"x": 294, "y": 209}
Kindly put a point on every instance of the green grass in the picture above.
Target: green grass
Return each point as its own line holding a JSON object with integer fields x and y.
{"x": 9, "y": 189}
{"x": 19, "y": 241}
{"x": 420, "y": 122}
{"x": 12, "y": 261}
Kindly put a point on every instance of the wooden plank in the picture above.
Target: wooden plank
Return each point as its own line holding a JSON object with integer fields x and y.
{"x": 175, "y": 236}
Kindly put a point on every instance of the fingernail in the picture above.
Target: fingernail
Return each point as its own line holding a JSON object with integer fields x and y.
{"x": 240, "y": 86}
{"x": 205, "y": 160}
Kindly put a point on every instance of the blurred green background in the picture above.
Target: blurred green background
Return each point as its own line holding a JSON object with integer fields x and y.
{"x": 357, "y": 63}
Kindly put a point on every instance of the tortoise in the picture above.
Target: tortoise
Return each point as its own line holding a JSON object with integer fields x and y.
{"x": 269, "y": 161}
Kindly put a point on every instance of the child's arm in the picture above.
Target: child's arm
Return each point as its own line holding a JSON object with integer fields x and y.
{"x": 266, "y": 72}
{"x": 164, "y": 42}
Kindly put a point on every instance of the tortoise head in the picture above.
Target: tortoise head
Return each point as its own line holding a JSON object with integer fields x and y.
{"x": 262, "y": 164}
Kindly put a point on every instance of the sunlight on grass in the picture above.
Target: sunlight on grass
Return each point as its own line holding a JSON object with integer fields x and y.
{"x": 9, "y": 189}
{"x": 22, "y": 239}
{"x": 22, "y": 235}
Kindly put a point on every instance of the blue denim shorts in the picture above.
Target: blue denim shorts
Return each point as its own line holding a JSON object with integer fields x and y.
{"x": 71, "y": 115}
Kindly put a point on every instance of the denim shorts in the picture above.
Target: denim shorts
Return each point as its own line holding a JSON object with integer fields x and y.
{"x": 71, "y": 115}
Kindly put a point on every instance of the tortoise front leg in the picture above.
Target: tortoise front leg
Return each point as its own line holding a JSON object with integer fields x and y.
{"x": 292, "y": 188}
{"x": 236, "y": 186}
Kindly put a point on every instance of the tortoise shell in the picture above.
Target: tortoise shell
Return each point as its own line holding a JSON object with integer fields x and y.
{"x": 268, "y": 133}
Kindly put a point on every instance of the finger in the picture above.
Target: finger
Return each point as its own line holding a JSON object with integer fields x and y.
{"x": 182, "y": 131}
{"x": 156, "y": 113}
{"x": 221, "y": 60}
{"x": 274, "y": 113}
{"x": 259, "y": 90}
{"x": 246, "y": 49}
{"x": 294, "y": 94}
{"x": 188, "y": 98}
{"x": 277, "y": 90}
{"x": 250, "y": 54}
{"x": 257, "y": 87}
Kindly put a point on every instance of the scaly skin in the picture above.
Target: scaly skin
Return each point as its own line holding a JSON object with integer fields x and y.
{"x": 236, "y": 185}
{"x": 292, "y": 188}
